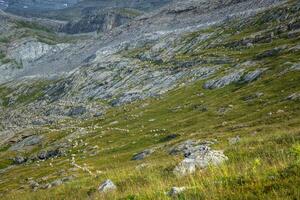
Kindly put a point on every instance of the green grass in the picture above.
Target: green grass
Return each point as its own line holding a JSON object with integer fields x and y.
{"x": 264, "y": 165}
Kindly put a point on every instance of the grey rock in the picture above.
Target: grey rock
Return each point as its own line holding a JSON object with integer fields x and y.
{"x": 294, "y": 97}
{"x": 183, "y": 148}
{"x": 175, "y": 191}
{"x": 296, "y": 67}
{"x": 46, "y": 154}
{"x": 143, "y": 154}
{"x": 199, "y": 161}
{"x": 188, "y": 147}
{"x": 251, "y": 76}
{"x": 27, "y": 142}
{"x": 56, "y": 183}
{"x": 33, "y": 184}
{"x": 197, "y": 156}
{"x": 234, "y": 140}
{"x": 186, "y": 166}
{"x": 223, "y": 81}
{"x": 20, "y": 159}
{"x": 270, "y": 53}
{"x": 107, "y": 186}
{"x": 80, "y": 110}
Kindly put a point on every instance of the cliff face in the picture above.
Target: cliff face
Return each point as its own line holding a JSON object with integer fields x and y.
{"x": 100, "y": 20}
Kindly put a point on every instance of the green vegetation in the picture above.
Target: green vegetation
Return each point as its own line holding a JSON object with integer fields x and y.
{"x": 265, "y": 164}
{"x": 31, "y": 25}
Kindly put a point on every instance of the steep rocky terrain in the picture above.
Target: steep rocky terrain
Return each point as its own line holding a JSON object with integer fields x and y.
{"x": 196, "y": 99}
{"x": 100, "y": 20}
{"x": 85, "y": 15}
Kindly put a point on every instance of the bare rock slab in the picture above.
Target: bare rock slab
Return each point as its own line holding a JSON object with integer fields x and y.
{"x": 107, "y": 186}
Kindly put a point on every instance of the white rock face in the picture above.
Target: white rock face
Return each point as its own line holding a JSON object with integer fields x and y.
{"x": 107, "y": 186}
{"x": 197, "y": 157}
{"x": 29, "y": 51}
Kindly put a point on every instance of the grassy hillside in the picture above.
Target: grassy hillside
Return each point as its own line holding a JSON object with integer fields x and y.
{"x": 264, "y": 164}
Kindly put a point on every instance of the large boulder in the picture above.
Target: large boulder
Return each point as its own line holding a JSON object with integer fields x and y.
{"x": 197, "y": 157}
{"x": 107, "y": 186}
{"x": 46, "y": 154}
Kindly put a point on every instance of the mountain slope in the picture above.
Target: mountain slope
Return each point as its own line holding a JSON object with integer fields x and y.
{"x": 229, "y": 81}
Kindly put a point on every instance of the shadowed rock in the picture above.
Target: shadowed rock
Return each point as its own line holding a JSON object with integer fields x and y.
{"x": 19, "y": 159}
{"x": 143, "y": 154}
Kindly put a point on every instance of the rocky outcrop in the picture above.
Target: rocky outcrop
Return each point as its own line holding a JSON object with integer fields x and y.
{"x": 252, "y": 76}
{"x": 197, "y": 156}
{"x": 143, "y": 154}
{"x": 28, "y": 51}
{"x": 100, "y": 21}
{"x": 27, "y": 142}
{"x": 223, "y": 81}
{"x": 20, "y": 159}
{"x": 107, "y": 186}
{"x": 46, "y": 154}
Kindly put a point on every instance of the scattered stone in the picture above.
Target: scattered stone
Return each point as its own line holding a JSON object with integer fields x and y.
{"x": 176, "y": 191}
{"x": 56, "y": 183}
{"x": 106, "y": 186}
{"x": 169, "y": 137}
{"x": 199, "y": 107}
{"x": 141, "y": 166}
{"x": 200, "y": 94}
{"x": 253, "y": 96}
{"x": 270, "y": 53}
{"x": 234, "y": 140}
{"x": 296, "y": 67}
{"x": 46, "y": 154}
{"x": 143, "y": 154}
{"x": 33, "y": 184}
{"x": 114, "y": 123}
{"x": 20, "y": 159}
{"x": 80, "y": 110}
{"x": 294, "y": 97}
